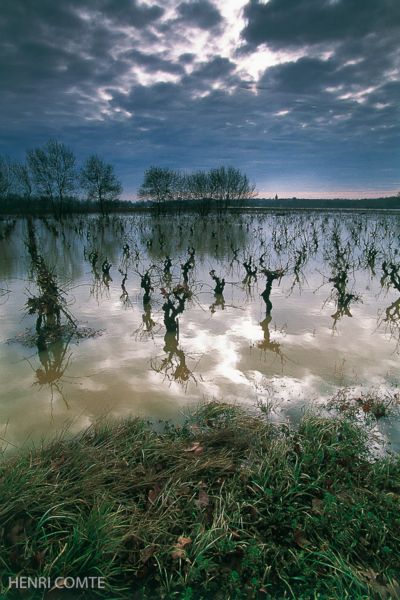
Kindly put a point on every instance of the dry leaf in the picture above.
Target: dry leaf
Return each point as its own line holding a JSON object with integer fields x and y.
{"x": 317, "y": 506}
{"x": 195, "y": 447}
{"x": 16, "y": 534}
{"x": 300, "y": 539}
{"x": 369, "y": 574}
{"x": 178, "y": 553}
{"x": 381, "y": 590}
{"x": 183, "y": 541}
{"x": 203, "y": 499}
{"x": 147, "y": 553}
{"x": 39, "y": 557}
{"x": 56, "y": 464}
{"x": 153, "y": 494}
{"x": 393, "y": 589}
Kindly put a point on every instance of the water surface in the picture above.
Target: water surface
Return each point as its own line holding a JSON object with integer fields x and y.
{"x": 334, "y": 321}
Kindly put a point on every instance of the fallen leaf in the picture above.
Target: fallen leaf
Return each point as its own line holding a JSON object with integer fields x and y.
{"x": 369, "y": 574}
{"x": 178, "y": 553}
{"x": 39, "y": 558}
{"x": 56, "y": 464}
{"x": 153, "y": 494}
{"x": 393, "y": 589}
{"x": 147, "y": 553}
{"x": 317, "y": 506}
{"x": 381, "y": 591}
{"x": 203, "y": 499}
{"x": 183, "y": 541}
{"x": 17, "y": 533}
{"x": 195, "y": 447}
{"x": 14, "y": 557}
{"x": 300, "y": 539}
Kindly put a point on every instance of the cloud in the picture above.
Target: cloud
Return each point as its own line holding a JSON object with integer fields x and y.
{"x": 200, "y": 14}
{"x": 284, "y": 94}
{"x": 127, "y": 12}
{"x": 303, "y": 22}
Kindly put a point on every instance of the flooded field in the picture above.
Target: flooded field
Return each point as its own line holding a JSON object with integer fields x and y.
{"x": 146, "y": 315}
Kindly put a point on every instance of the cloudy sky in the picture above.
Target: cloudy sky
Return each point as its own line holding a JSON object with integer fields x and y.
{"x": 303, "y": 95}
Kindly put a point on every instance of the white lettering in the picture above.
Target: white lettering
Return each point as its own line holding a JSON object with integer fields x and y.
{"x": 81, "y": 583}
{"x": 69, "y": 582}
{"x": 13, "y": 582}
{"x": 101, "y": 583}
{"x": 24, "y": 582}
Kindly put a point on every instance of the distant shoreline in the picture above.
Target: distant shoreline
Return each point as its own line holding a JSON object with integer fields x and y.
{"x": 17, "y": 206}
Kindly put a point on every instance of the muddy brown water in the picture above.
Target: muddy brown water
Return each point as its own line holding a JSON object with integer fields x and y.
{"x": 334, "y": 322}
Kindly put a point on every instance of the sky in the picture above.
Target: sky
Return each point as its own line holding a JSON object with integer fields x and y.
{"x": 302, "y": 95}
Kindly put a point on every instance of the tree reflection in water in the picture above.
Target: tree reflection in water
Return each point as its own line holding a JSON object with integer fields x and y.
{"x": 341, "y": 265}
{"x": 267, "y": 344}
{"x": 169, "y": 260}
{"x": 219, "y": 301}
{"x": 55, "y": 360}
{"x": 391, "y": 278}
{"x": 174, "y": 366}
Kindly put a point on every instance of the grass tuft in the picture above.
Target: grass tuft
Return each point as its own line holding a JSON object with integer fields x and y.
{"x": 226, "y": 506}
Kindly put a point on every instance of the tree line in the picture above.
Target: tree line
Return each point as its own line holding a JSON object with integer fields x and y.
{"x": 217, "y": 187}
{"x": 51, "y": 176}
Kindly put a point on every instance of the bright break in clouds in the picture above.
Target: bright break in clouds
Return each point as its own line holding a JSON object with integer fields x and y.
{"x": 303, "y": 95}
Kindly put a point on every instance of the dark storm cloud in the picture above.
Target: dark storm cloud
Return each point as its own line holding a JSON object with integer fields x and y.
{"x": 286, "y": 23}
{"x": 200, "y": 14}
{"x": 55, "y": 55}
{"x": 347, "y": 98}
{"x": 120, "y": 77}
{"x": 360, "y": 37}
{"x": 306, "y": 76}
{"x": 187, "y": 58}
{"x": 151, "y": 62}
{"x": 127, "y": 12}
{"x": 217, "y": 68}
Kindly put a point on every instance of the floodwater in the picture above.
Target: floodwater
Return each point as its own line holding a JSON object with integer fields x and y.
{"x": 329, "y": 319}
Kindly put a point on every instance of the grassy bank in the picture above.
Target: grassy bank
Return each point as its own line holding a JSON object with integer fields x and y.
{"x": 227, "y": 506}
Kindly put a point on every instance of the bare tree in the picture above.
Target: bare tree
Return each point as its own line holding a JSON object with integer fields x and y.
{"x": 53, "y": 172}
{"x": 160, "y": 184}
{"x": 197, "y": 185}
{"x": 99, "y": 180}
{"x": 227, "y": 184}
{"x": 23, "y": 179}
{"x": 221, "y": 185}
{"x": 6, "y": 177}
